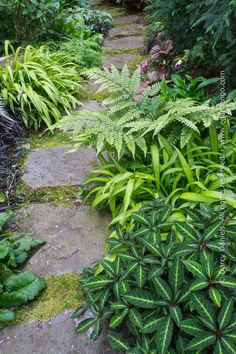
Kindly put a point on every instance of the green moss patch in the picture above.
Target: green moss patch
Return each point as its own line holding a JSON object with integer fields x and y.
{"x": 63, "y": 195}
{"x": 61, "y": 294}
{"x": 49, "y": 140}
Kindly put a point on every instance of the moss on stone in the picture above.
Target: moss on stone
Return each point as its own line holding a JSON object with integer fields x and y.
{"x": 114, "y": 11}
{"x": 133, "y": 51}
{"x": 64, "y": 195}
{"x": 49, "y": 140}
{"x": 61, "y": 294}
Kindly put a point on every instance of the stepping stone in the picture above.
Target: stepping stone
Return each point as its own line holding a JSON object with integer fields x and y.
{"x": 53, "y": 167}
{"x": 54, "y": 337}
{"x": 74, "y": 237}
{"x": 91, "y": 105}
{"x": 124, "y": 43}
{"x": 119, "y": 60}
{"x": 127, "y": 19}
{"x": 124, "y": 31}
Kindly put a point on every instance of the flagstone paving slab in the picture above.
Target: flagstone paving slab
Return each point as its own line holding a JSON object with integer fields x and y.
{"x": 54, "y": 337}
{"x": 128, "y": 30}
{"x": 129, "y": 42}
{"x": 74, "y": 236}
{"x": 119, "y": 60}
{"x": 53, "y": 167}
{"x": 127, "y": 19}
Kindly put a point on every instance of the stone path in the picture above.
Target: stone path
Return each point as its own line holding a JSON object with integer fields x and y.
{"x": 74, "y": 236}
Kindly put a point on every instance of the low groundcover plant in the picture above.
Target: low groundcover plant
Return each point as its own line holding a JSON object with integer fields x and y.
{"x": 162, "y": 284}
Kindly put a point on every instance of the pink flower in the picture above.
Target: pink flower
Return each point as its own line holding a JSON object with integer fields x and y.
{"x": 143, "y": 66}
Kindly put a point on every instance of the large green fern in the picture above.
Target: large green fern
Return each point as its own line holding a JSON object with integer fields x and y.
{"x": 129, "y": 119}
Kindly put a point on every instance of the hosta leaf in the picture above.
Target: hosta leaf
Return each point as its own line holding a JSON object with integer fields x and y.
{"x": 176, "y": 314}
{"x": 176, "y": 275}
{"x": 21, "y": 288}
{"x": 212, "y": 231}
{"x": 187, "y": 232}
{"x": 228, "y": 282}
{"x": 200, "y": 342}
{"x": 228, "y": 345}
{"x": 164, "y": 334}
{"x": 140, "y": 276}
{"x": 135, "y": 317}
{"x": 97, "y": 282}
{"x": 85, "y": 325}
{"x": 192, "y": 327}
{"x": 195, "y": 268}
{"x": 141, "y": 298}
{"x": 6, "y": 315}
{"x": 116, "y": 342}
{"x": 151, "y": 324}
{"x": 205, "y": 310}
{"x": 118, "y": 318}
{"x": 215, "y": 296}
{"x": 162, "y": 288}
{"x": 225, "y": 314}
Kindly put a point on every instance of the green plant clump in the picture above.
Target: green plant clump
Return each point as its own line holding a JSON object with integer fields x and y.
{"x": 35, "y": 84}
{"x": 164, "y": 284}
{"x": 16, "y": 288}
{"x": 202, "y": 31}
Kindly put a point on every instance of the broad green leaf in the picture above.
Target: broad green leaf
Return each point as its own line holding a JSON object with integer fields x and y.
{"x": 165, "y": 331}
{"x": 228, "y": 282}
{"x": 6, "y": 315}
{"x": 176, "y": 275}
{"x": 205, "y": 310}
{"x": 219, "y": 348}
{"x": 215, "y": 296}
{"x": 135, "y": 317}
{"x": 116, "y": 342}
{"x": 176, "y": 314}
{"x": 85, "y": 325}
{"x": 21, "y": 288}
{"x": 140, "y": 276}
{"x": 198, "y": 284}
{"x": 97, "y": 282}
{"x": 192, "y": 327}
{"x": 201, "y": 341}
{"x": 162, "y": 288}
{"x": 97, "y": 331}
{"x": 141, "y": 298}
{"x": 187, "y": 232}
{"x": 228, "y": 345}
{"x": 212, "y": 231}
{"x": 78, "y": 312}
{"x": 195, "y": 268}
{"x": 118, "y": 318}
{"x": 151, "y": 324}
{"x": 225, "y": 314}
